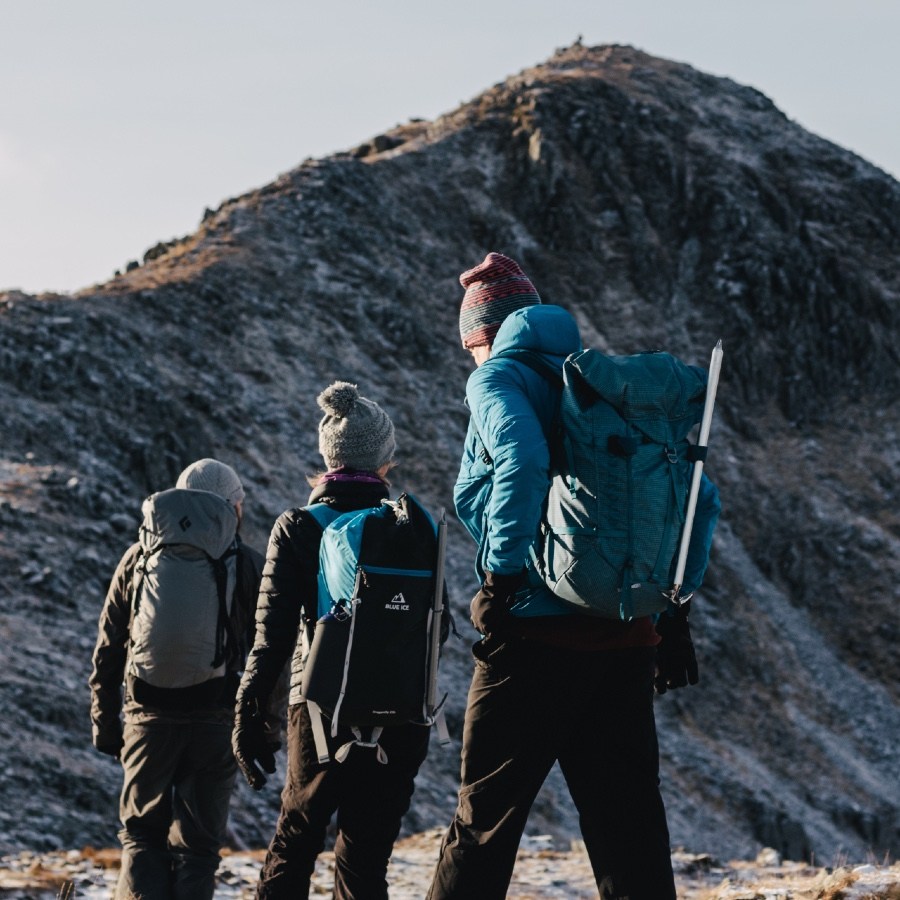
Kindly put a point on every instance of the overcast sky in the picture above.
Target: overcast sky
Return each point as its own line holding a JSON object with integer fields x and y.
{"x": 121, "y": 120}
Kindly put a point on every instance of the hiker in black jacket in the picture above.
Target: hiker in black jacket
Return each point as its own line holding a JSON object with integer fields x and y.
{"x": 175, "y": 746}
{"x": 356, "y": 440}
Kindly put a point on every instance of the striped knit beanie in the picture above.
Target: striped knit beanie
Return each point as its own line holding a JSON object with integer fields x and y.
{"x": 355, "y": 433}
{"x": 494, "y": 289}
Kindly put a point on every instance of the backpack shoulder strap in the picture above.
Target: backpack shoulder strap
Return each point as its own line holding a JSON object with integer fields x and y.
{"x": 536, "y": 362}
{"x": 134, "y": 593}
{"x": 137, "y": 579}
{"x": 323, "y": 514}
{"x": 225, "y": 635}
{"x": 560, "y": 453}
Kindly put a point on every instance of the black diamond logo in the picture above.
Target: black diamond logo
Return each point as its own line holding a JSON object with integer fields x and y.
{"x": 185, "y": 523}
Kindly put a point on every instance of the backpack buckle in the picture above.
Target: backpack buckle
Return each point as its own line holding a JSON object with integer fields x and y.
{"x": 339, "y": 611}
{"x": 671, "y": 454}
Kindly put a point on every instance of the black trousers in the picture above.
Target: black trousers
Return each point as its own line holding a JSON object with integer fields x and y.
{"x": 529, "y": 706}
{"x": 369, "y": 798}
{"x": 174, "y": 809}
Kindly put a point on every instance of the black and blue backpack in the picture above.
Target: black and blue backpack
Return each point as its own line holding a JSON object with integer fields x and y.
{"x": 373, "y": 657}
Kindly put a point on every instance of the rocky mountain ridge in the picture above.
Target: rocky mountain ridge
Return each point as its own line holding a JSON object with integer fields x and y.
{"x": 664, "y": 208}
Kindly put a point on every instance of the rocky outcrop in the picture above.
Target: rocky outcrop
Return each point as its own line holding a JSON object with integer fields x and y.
{"x": 663, "y": 207}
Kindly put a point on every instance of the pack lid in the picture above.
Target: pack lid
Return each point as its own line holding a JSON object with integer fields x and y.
{"x": 182, "y": 516}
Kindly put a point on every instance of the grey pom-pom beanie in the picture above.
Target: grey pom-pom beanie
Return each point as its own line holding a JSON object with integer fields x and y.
{"x": 355, "y": 433}
{"x": 213, "y": 476}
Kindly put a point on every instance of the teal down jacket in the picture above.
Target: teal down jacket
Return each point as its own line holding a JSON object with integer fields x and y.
{"x": 499, "y": 500}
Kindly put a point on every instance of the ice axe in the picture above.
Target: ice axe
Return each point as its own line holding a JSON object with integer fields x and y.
{"x": 433, "y": 709}
{"x": 715, "y": 364}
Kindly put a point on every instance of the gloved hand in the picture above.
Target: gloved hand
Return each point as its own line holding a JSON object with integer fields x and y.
{"x": 251, "y": 745}
{"x": 108, "y": 738}
{"x": 490, "y": 606}
{"x": 676, "y": 661}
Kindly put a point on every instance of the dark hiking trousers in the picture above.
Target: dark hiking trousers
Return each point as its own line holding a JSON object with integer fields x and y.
{"x": 369, "y": 797}
{"x": 174, "y": 809}
{"x": 530, "y": 705}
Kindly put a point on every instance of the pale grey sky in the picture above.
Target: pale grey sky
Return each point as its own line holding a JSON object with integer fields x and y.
{"x": 121, "y": 120}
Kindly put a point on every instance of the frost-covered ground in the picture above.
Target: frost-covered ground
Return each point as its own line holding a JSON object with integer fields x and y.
{"x": 541, "y": 873}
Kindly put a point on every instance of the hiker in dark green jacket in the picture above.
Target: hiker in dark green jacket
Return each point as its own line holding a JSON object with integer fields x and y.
{"x": 550, "y": 684}
{"x": 175, "y": 746}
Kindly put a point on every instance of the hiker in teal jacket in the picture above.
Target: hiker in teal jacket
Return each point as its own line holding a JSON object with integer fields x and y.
{"x": 523, "y": 714}
{"x": 512, "y": 409}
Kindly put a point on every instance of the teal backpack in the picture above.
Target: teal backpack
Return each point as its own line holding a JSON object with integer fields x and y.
{"x": 621, "y": 471}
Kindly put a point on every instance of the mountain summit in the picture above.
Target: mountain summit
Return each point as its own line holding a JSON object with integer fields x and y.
{"x": 664, "y": 208}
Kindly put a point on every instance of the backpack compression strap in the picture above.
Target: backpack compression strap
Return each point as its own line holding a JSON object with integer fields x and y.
{"x": 354, "y": 603}
{"x": 318, "y": 730}
{"x": 344, "y": 749}
{"x": 322, "y": 514}
{"x": 321, "y": 741}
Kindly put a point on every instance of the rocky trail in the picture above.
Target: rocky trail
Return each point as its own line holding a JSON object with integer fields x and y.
{"x": 542, "y": 873}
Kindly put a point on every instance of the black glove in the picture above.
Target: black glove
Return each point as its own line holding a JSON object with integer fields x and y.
{"x": 108, "y": 739}
{"x": 251, "y": 745}
{"x": 490, "y": 606}
{"x": 676, "y": 661}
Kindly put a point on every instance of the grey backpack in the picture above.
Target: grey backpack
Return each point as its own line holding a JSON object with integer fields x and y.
{"x": 183, "y": 589}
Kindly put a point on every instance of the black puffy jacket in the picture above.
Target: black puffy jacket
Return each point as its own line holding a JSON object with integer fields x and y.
{"x": 288, "y": 596}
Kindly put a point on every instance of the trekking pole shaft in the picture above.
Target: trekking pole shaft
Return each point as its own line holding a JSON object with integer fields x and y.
{"x": 715, "y": 365}
{"x": 437, "y": 608}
